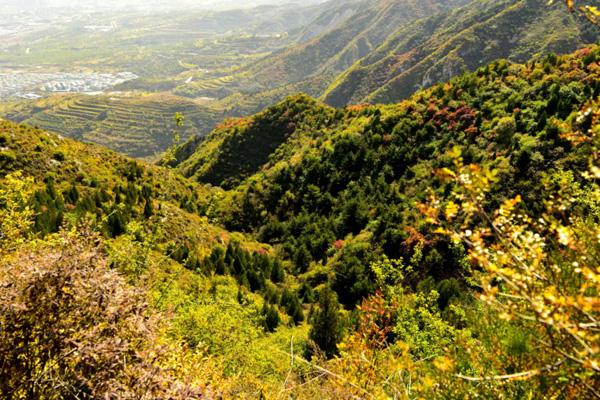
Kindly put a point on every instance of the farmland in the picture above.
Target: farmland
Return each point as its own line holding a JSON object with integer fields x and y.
{"x": 139, "y": 125}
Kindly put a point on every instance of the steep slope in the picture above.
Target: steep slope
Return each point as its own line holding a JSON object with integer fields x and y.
{"x": 334, "y": 51}
{"x": 341, "y": 189}
{"x": 238, "y": 148}
{"x": 142, "y": 225}
{"x": 435, "y": 49}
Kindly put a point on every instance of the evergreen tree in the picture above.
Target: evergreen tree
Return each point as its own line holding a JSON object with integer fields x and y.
{"x": 217, "y": 259}
{"x": 71, "y": 195}
{"x": 277, "y": 274}
{"x": 306, "y": 293}
{"x": 302, "y": 259}
{"x": 241, "y": 299}
{"x": 148, "y": 209}
{"x": 271, "y": 317}
{"x": 116, "y": 223}
{"x": 255, "y": 279}
{"x": 326, "y": 330}
{"x": 292, "y": 306}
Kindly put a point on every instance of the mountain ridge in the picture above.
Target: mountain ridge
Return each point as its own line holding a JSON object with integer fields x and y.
{"x": 399, "y": 69}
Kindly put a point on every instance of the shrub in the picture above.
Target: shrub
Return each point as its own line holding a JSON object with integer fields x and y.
{"x": 72, "y": 328}
{"x": 58, "y": 156}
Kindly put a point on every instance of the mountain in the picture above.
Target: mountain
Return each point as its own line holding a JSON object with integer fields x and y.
{"x": 417, "y": 248}
{"x": 438, "y": 48}
{"x": 365, "y": 26}
{"x": 241, "y": 146}
{"x": 303, "y": 175}
{"x": 389, "y": 49}
{"x": 91, "y": 212}
{"x": 365, "y": 200}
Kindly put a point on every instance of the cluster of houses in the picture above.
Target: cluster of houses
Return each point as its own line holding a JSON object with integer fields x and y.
{"x": 34, "y": 85}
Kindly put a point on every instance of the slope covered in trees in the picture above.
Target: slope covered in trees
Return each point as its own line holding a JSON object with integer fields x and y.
{"x": 438, "y": 48}
{"x": 336, "y": 189}
{"x": 387, "y": 205}
{"x": 442, "y": 247}
{"x": 168, "y": 288}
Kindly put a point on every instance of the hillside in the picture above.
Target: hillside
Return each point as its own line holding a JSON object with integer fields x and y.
{"x": 367, "y": 25}
{"x": 149, "y": 225}
{"x": 443, "y": 246}
{"x": 317, "y": 175}
{"x": 388, "y": 206}
{"x": 240, "y": 147}
{"x": 438, "y": 48}
{"x": 142, "y": 126}
{"x": 342, "y": 53}
{"x": 390, "y": 49}
{"x": 84, "y": 178}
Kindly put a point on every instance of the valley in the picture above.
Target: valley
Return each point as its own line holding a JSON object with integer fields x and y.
{"x": 344, "y": 199}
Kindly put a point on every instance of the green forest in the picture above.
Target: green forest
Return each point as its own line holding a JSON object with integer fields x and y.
{"x": 439, "y": 243}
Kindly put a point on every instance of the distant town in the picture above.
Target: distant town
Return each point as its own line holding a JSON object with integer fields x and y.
{"x": 36, "y": 85}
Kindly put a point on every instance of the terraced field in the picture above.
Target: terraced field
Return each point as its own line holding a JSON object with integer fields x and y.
{"x": 141, "y": 126}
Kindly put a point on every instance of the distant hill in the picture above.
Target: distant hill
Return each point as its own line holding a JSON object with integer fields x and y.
{"x": 367, "y": 24}
{"x": 435, "y": 49}
{"x": 389, "y": 49}
{"x": 140, "y": 126}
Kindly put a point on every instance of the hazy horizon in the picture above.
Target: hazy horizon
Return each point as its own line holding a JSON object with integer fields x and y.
{"x": 147, "y": 5}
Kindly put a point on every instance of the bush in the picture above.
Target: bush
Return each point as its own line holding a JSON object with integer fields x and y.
{"x": 72, "y": 328}
{"x": 58, "y": 156}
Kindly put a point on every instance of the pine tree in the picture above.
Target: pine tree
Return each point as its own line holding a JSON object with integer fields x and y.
{"x": 277, "y": 273}
{"x": 271, "y": 317}
{"x": 116, "y": 223}
{"x": 71, "y": 196}
{"x": 241, "y": 299}
{"x": 306, "y": 293}
{"x": 302, "y": 259}
{"x": 292, "y": 306}
{"x": 148, "y": 209}
{"x": 326, "y": 327}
